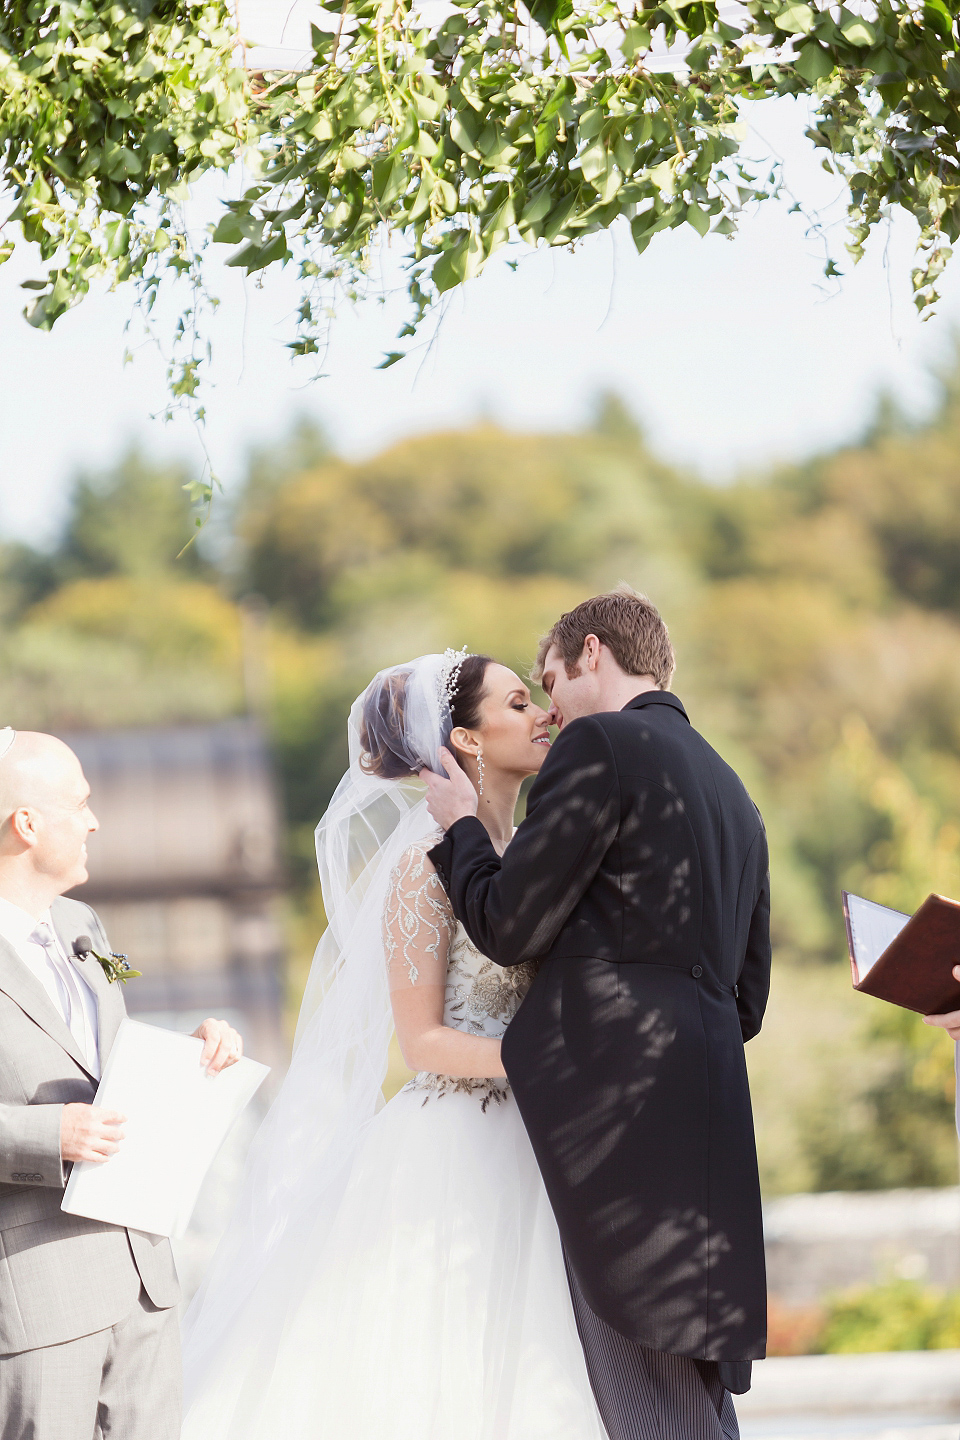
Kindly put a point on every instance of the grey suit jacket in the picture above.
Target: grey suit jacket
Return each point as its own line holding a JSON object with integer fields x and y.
{"x": 61, "y": 1276}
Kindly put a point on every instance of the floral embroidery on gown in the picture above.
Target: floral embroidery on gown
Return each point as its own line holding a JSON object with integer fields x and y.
{"x": 481, "y": 997}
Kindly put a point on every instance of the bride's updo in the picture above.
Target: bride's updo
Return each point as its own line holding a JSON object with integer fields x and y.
{"x": 382, "y": 730}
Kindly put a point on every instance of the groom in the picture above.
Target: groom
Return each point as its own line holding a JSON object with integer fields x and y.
{"x": 640, "y": 880}
{"x": 89, "y": 1339}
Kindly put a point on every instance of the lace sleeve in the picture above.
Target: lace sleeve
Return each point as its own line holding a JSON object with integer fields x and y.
{"x": 418, "y": 923}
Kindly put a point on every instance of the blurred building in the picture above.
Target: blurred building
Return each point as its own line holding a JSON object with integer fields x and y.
{"x": 186, "y": 873}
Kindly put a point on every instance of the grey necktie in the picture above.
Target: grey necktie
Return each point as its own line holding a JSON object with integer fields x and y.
{"x": 73, "y": 1003}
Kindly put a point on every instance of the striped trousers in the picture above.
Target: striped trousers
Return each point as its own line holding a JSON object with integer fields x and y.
{"x": 645, "y": 1394}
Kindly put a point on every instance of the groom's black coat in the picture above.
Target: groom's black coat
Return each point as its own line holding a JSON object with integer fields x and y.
{"x": 640, "y": 879}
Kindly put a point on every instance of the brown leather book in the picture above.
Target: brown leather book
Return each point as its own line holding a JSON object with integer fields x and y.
{"x": 906, "y": 959}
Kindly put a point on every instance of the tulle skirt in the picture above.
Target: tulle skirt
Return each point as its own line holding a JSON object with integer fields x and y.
{"x": 435, "y": 1307}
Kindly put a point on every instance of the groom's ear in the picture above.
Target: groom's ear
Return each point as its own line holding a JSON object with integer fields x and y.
{"x": 590, "y": 655}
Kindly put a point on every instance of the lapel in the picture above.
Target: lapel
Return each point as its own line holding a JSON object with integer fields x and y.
{"x": 109, "y": 1011}
{"x": 26, "y": 991}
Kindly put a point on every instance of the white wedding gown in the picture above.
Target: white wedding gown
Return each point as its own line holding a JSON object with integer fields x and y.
{"x": 436, "y": 1307}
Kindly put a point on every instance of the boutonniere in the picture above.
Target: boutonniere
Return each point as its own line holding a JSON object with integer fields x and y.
{"x": 115, "y": 965}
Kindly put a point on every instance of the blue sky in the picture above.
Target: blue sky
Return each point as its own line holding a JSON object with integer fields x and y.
{"x": 733, "y": 353}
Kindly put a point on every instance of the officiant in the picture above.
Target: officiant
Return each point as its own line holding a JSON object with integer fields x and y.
{"x": 89, "y": 1340}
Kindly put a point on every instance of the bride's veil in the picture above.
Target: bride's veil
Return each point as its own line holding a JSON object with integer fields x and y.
{"x": 300, "y": 1160}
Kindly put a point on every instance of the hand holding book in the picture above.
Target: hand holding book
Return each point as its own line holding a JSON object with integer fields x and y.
{"x": 908, "y": 960}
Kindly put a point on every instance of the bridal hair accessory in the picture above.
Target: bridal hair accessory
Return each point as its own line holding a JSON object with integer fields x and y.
{"x": 480, "y": 771}
{"x": 7, "y": 737}
{"x": 450, "y": 673}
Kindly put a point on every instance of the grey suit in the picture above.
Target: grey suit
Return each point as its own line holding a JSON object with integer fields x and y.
{"x": 81, "y": 1302}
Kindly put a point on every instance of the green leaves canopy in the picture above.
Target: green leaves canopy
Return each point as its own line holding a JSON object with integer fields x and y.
{"x": 500, "y": 121}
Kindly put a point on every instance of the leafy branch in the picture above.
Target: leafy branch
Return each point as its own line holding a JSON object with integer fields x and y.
{"x": 545, "y": 123}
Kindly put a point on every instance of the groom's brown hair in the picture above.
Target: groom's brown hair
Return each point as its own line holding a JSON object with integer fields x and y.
{"x": 626, "y": 622}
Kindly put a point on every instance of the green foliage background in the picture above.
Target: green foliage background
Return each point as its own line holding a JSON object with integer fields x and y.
{"x": 896, "y": 1314}
{"x": 816, "y": 614}
{"x": 900, "y": 1315}
{"x": 494, "y": 122}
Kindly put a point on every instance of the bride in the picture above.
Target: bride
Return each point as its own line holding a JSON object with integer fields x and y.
{"x": 395, "y": 1272}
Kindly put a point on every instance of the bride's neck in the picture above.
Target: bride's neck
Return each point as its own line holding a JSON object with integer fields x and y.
{"x": 496, "y": 808}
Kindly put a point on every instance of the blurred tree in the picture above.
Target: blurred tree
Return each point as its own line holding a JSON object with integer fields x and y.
{"x": 894, "y": 1130}
{"x": 613, "y": 418}
{"x": 168, "y": 620}
{"x": 879, "y": 517}
{"x": 907, "y": 490}
{"x": 132, "y": 520}
{"x": 26, "y": 576}
{"x": 478, "y": 500}
{"x": 122, "y": 651}
{"x": 815, "y": 613}
{"x": 304, "y": 447}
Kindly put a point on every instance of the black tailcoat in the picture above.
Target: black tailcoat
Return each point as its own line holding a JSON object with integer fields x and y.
{"x": 640, "y": 879}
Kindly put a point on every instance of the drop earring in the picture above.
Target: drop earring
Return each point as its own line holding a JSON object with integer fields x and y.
{"x": 480, "y": 772}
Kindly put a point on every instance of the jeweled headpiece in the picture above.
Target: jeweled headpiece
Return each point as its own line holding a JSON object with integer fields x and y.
{"x": 449, "y": 675}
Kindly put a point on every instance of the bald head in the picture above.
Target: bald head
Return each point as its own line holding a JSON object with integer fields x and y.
{"x": 36, "y": 771}
{"x": 45, "y": 819}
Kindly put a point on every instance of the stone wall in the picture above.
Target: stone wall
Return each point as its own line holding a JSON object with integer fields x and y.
{"x": 817, "y": 1244}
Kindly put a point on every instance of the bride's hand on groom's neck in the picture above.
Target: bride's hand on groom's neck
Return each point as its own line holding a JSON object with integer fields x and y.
{"x": 450, "y": 799}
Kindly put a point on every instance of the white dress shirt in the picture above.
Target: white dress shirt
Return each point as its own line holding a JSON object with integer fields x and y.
{"x": 16, "y": 927}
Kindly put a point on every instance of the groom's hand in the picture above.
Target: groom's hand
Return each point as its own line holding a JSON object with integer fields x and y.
{"x": 222, "y": 1045}
{"x": 450, "y": 799}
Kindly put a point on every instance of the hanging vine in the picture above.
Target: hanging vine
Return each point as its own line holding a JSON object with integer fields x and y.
{"x": 544, "y": 122}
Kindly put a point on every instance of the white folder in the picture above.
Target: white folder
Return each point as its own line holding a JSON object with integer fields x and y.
{"x": 177, "y": 1118}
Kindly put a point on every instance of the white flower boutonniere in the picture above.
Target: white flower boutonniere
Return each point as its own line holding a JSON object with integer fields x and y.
{"x": 115, "y": 965}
